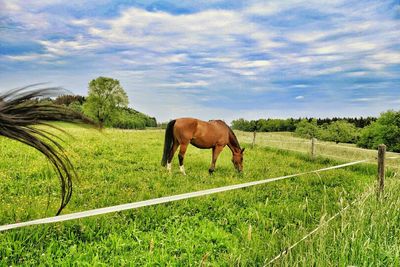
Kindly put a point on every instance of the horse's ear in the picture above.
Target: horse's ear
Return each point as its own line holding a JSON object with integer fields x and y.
{"x": 243, "y": 150}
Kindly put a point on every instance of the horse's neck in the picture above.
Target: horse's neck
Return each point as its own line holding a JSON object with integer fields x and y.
{"x": 233, "y": 148}
{"x": 233, "y": 144}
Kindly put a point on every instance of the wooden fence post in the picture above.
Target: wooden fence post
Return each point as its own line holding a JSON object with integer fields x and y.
{"x": 381, "y": 170}
{"x": 254, "y": 139}
{"x": 313, "y": 151}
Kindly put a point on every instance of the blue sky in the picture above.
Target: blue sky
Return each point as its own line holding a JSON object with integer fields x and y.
{"x": 214, "y": 59}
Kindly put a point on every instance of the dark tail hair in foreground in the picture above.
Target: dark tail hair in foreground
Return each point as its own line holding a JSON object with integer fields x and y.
{"x": 168, "y": 142}
{"x": 21, "y": 109}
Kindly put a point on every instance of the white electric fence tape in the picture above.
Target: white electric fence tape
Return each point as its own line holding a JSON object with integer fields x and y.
{"x": 161, "y": 200}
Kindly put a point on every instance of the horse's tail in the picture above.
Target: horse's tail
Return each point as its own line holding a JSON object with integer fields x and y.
{"x": 168, "y": 141}
{"x": 20, "y": 109}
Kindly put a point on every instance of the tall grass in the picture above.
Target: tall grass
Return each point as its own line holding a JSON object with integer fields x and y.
{"x": 366, "y": 235}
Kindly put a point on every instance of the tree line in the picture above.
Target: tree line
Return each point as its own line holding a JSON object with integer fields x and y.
{"x": 290, "y": 125}
{"x": 366, "y": 132}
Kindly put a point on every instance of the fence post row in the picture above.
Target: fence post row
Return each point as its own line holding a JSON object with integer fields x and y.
{"x": 381, "y": 170}
{"x": 313, "y": 141}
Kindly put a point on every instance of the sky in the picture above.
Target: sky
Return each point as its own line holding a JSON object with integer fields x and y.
{"x": 212, "y": 59}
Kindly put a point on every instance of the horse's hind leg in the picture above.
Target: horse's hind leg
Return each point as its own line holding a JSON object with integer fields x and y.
{"x": 171, "y": 155}
{"x": 181, "y": 156}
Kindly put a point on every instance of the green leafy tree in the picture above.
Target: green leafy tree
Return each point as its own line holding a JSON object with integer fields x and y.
{"x": 106, "y": 95}
{"x": 127, "y": 118}
{"x": 69, "y": 99}
{"x": 307, "y": 129}
{"x": 386, "y": 130}
{"x": 243, "y": 125}
{"x": 76, "y": 106}
{"x": 340, "y": 131}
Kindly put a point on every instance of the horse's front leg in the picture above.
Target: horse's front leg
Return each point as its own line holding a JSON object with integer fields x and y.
{"x": 181, "y": 156}
{"x": 215, "y": 153}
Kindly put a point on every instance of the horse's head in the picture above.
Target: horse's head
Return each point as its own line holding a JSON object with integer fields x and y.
{"x": 237, "y": 159}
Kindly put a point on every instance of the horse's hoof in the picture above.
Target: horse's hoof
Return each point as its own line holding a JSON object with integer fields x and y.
{"x": 182, "y": 169}
{"x": 169, "y": 167}
{"x": 210, "y": 171}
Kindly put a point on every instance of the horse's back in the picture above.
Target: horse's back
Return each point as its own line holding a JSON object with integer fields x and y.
{"x": 185, "y": 128}
{"x": 186, "y": 124}
{"x": 198, "y": 126}
{"x": 201, "y": 133}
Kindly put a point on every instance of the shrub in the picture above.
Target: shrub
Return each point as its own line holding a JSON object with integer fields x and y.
{"x": 127, "y": 118}
{"x": 339, "y": 131}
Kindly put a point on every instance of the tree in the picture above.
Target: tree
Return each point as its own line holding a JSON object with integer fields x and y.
{"x": 242, "y": 125}
{"x": 69, "y": 99}
{"x": 340, "y": 131}
{"x": 127, "y": 118}
{"x": 307, "y": 129}
{"x": 385, "y": 130}
{"x": 106, "y": 95}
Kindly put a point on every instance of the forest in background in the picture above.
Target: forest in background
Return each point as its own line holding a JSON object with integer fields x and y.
{"x": 366, "y": 132}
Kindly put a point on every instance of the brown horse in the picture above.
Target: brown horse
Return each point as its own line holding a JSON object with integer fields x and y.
{"x": 214, "y": 134}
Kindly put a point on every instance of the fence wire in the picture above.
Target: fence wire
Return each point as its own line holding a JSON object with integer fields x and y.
{"x": 151, "y": 202}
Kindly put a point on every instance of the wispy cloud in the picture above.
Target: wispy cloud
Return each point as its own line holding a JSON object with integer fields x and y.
{"x": 366, "y": 99}
{"x": 28, "y": 57}
{"x": 185, "y": 84}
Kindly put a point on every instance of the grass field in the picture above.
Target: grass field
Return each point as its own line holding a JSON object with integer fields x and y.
{"x": 242, "y": 227}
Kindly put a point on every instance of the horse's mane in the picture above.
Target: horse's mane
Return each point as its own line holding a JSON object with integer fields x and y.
{"x": 232, "y": 136}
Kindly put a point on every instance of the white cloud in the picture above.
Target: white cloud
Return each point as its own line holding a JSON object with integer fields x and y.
{"x": 366, "y": 99}
{"x": 63, "y": 47}
{"x": 265, "y": 9}
{"x": 273, "y": 7}
{"x": 299, "y": 97}
{"x": 326, "y": 71}
{"x": 162, "y": 31}
{"x": 306, "y": 37}
{"x": 300, "y": 86}
{"x": 251, "y": 64}
{"x": 81, "y": 22}
{"x": 10, "y": 6}
{"x": 176, "y": 58}
{"x": 346, "y": 46}
{"x": 358, "y": 73}
{"x": 29, "y": 57}
{"x": 185, "y": 84}
{"x": 244, "y": 72}
{"x": 387, "y": 57}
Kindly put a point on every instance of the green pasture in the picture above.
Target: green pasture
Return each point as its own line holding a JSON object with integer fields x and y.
{"x": 245, "y": 227}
